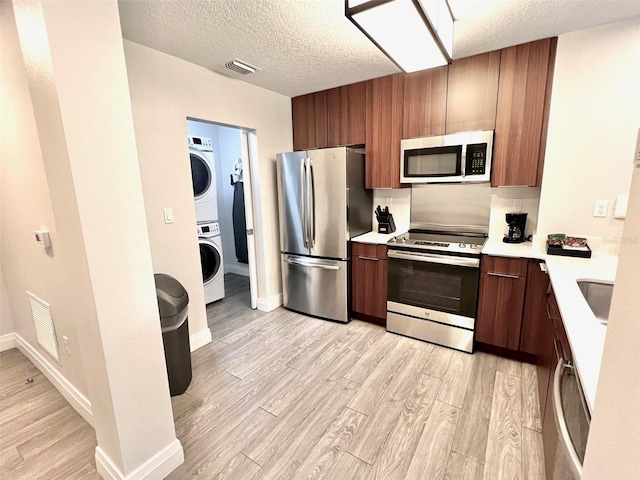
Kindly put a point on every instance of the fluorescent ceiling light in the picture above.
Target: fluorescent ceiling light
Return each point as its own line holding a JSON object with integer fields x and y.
{"x": 414, "y": 34}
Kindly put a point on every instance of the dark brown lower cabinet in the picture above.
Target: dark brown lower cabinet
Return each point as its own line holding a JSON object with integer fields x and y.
{"x": 501, "y": 298}
{"x": 369, "y": 280}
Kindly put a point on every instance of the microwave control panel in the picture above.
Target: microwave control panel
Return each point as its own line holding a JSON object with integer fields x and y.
{"x": 476, "y": 159}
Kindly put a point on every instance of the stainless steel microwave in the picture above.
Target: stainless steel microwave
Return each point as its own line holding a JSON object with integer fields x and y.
{"x": 458, "y": 157}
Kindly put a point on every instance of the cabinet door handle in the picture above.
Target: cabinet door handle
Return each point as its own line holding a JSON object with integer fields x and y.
{"x": 503, "y": 275}
{"x": 368, "y": 258}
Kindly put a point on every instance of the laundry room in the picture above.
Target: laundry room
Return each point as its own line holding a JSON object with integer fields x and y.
{"x": 219, "y": 200}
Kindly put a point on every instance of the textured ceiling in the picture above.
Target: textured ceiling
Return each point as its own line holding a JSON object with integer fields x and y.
{"x": 304, "y": 46}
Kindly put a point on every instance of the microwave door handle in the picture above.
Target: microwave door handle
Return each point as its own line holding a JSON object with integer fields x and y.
{"x": 463, "y": 160}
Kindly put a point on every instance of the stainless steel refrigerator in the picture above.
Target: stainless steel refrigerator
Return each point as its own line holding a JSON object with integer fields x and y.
{"x": 323, "y": 204}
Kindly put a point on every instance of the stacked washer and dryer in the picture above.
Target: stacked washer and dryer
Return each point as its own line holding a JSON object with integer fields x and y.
{"x": 203, "y": 175}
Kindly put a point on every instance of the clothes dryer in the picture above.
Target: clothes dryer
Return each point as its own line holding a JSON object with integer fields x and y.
{"x": 203, "y": 176}
{"x": 211, "y": 260}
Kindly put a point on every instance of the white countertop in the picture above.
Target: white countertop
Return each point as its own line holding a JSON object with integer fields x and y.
{"x": 535, "y": 249}
{"x": 586, "y": 335}
{"x": 376, "y": 238}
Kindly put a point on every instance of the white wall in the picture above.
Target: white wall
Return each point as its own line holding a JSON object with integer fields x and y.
{"x": 164, "y": 92}
{"x": 502, "y": 202}
{"x": 594, "y": 117}
{"x": 399, "y": 202}
{"x": 6, "y": 317}
{"x": 614, "y": 437}
{"x": 59, "y": 277}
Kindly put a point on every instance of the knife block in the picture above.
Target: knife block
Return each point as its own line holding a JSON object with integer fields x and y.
{"x": 387, "y": 225}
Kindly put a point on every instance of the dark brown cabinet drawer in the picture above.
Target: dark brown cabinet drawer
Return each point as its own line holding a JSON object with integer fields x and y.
{"x": 369, "y": 279}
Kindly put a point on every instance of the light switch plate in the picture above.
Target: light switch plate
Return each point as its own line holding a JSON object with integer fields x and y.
{"x": 600, "y": 208}
{"x": 168, "y": 215}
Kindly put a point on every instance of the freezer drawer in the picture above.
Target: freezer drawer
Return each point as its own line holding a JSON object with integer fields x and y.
{"x": 316, "y": 286}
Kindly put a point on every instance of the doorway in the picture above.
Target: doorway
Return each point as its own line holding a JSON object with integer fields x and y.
{"x": 226, "y": 220}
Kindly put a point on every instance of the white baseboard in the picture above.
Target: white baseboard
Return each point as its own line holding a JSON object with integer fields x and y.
{"x": 8, "y": 341}
{"x": 75, "y": 398}
{"x": 269, "y": 303}
{"x": 237, "y": 269}
{"x": 158, "y": 466}
{"x": 199, "y": 339}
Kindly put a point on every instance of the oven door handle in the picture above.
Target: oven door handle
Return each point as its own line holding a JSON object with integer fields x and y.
{"x": 560, "y": 418}
{"x": 433, "y": 258}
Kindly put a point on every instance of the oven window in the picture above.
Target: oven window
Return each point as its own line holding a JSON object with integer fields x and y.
{"x": 445, "y": 288}
{"x": 433, "y": 162}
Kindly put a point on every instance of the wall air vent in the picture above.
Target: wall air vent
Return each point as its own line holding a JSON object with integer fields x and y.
{"x": 43, "y": 322}
{"x": 241, "y": 67}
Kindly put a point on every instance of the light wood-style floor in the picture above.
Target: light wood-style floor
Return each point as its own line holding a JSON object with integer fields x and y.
{"x": 280, "y": 395}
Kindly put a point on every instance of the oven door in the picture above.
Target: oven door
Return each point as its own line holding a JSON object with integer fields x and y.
{"x": 440, "y": 288}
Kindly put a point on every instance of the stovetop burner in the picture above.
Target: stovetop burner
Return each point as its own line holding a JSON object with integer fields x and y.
{"x": 440, "y": 242}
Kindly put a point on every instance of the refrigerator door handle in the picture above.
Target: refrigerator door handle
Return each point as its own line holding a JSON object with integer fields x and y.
{"x": 312, "y": 206}
{"x": 303, "y": 182}
{"x": 293, "y": 261}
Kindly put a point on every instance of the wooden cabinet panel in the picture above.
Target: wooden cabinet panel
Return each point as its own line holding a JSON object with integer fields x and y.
{"x": 500, "y": 302}
{"x": 309, "y": 119}
{"x": 346, "y": 115}
{"x": 520, "y": 113}
{"x": 369, "y": 279}
{"x": 537, "y": 329}
{"x": 425, "y": 103}
{"x": 472, "y": 93}
{"x": 504, "y": 265}
{"x": 384, "y": 131}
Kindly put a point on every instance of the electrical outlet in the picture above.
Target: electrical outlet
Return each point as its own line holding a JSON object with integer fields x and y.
{"x": 517, "y": 204}
{"x": 65, "y": 342}
{"x": 600, "y": 208}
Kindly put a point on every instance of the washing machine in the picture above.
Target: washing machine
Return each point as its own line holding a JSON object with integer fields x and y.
{"x": 211, "y": 260}
{"x": 203, "y": 176}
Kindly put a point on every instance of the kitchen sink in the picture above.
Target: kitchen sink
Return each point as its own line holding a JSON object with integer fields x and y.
{"x": 598, "y": 296}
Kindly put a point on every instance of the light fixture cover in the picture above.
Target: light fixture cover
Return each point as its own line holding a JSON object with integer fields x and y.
{"x": 414, "y": 34}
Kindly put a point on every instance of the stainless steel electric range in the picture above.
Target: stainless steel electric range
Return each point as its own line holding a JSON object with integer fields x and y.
{"x": 434, "y": 269}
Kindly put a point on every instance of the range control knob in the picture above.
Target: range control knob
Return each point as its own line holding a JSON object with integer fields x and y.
{"x": 394, "y": 239}
{"x": 462, "y": 245}
{"x": 403, "y": 240}
{"x": 473, "y": 246}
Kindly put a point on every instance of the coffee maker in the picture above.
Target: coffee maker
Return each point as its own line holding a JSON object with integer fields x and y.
{"x": 516, "y": 223}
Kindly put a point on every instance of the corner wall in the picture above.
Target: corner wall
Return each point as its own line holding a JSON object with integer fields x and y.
{"x": 164, "y": 92}
{"x": 594, "y": 117}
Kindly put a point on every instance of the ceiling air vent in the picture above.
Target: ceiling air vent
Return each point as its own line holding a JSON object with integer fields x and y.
{"x": 241, "y": 67}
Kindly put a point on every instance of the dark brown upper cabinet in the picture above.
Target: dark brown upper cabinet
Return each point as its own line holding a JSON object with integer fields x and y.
{"x": 523, "y": 93}
{"x": 309, "y": 117}
{"x": 384, "y": 131}
{"x": 472, "y": 93}
{"x": 346, "y": 115}
{"x": 425, "y": 103}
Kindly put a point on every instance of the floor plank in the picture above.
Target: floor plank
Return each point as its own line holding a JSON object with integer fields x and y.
{"x": 401, "y": 444}
{"x": 277, "y": 386}
{"x": 504, "y": 444}
{"x": 431, "y": 455}
{"x": 351, "y": 468}
{"x": 473, "y": 427}
{"x": 532, "y": 455}
{"x": 326, "y": 454}
{"x": 530, "y": 402}
{"x": 370, "y": 440}
{"x": 454, "y": 383}
{"x": 462, "y": 468}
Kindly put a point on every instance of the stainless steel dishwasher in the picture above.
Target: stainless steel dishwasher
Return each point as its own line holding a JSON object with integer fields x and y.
{"x": 572, "y": 420}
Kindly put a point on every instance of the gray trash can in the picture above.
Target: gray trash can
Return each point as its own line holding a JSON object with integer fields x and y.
{"x": 173, "y": 302}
